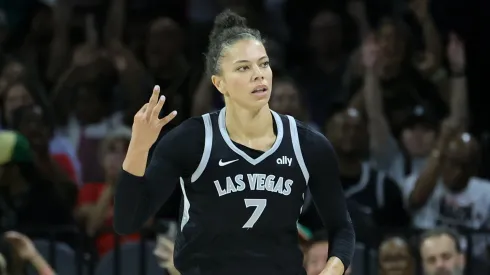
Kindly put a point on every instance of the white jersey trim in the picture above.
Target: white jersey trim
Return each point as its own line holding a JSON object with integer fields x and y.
{"x": 297, "y": 148}
{"x": 208, "y": 145}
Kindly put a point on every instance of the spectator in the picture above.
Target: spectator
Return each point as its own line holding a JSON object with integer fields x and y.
{"x": 317, "y": 254}
{"x": 373, "y": 191}
{"x": 95, "y": 200}
{"x": 287, "y": 99}
{"x": 419, "y": 127}
{"x": 27, "y": 252}
{"x": 395, "y": 257}
{"x": 321, "y": 76}
{"x": 447, "y": 192}
{"x": 164, "y": 251}
{"x": 27, "y": 199}
{"x": 441, "y": 252}
{"x": 53, "y": 154}
{"x": 15, "y": 95}
{"x": 386, "y": 60}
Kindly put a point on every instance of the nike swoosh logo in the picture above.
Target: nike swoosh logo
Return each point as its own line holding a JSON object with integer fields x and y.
{"x": 221, "y": 163}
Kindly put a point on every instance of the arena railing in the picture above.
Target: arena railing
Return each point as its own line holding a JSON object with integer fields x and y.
{"x": 87, "y": 258}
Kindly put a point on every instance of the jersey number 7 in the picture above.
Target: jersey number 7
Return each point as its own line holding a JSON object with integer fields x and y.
{"x": 259, "y": 205}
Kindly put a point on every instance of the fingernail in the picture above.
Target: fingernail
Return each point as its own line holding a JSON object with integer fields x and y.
{"x": 162, "y": 98}
{"x": 174, "y": 113}
{"x": 157, "y": 87}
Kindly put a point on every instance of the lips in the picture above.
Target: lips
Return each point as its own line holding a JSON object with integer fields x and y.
{"x": 260, "y": 89}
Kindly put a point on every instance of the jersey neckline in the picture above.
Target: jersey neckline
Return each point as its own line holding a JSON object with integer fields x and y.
{"x": 229, "y": 142}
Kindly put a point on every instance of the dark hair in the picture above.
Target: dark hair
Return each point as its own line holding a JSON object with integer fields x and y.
{"x": 46, "y": 116}
{"x": 229, "y": 28}
{"x": 441, "y": 231}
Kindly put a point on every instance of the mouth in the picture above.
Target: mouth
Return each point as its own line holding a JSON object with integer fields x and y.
{"x": 261, "y": 89}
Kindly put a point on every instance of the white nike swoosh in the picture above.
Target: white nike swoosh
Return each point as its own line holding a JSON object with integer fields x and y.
{"x": 221, "y": 163}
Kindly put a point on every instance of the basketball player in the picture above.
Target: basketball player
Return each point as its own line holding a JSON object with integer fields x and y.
{"x": 243, "y": 172}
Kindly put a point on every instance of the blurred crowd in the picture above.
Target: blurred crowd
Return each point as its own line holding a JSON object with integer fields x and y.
{"x": 385, "y": 80}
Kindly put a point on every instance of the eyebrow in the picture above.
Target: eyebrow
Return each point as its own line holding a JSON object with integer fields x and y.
{"x": 246, "y": 61}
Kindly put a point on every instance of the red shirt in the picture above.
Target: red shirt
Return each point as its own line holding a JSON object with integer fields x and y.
{"x": 89, "y": 194}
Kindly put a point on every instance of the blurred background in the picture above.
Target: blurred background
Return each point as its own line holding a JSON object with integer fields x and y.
{"x": 398, "y": 87}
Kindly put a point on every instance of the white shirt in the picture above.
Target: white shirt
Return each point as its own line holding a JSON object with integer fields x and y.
{"x": 469, "y": 209}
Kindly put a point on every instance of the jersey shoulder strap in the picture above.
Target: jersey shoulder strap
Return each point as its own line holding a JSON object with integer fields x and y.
{"x": 293, "y": 128}
{"x": 208, "y": 144}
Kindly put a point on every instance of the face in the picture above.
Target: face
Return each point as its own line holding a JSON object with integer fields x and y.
{"x": 114, "y": 157}
{"x": 395, "y": 258}
{"x": 11, "y": 72}
{"x": 316, "y": 258}
{"x": 326, "y": 33}
{"x": 457, "y": 163}
{"x": 246, "y": 77}
{"x": 164, "y": 43}
{"x": 16, "y": 97}
{"x": 34, "y": 128}
{"x": 419, "y": 140}
{"x": 391, "y": 45}
{"x": 89, "y": 108}
{"x": 440, "y": 256}
{"x": 285, "y": 99}
{"x": 348, "y": 133}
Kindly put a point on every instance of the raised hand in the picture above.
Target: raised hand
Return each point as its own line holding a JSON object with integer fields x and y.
{"x": 87, "y": 53}
{"x": 146, "y": 124}
{"x": 456, "y": 54}
{"x": 370, "y": 52}
{"x": 420, "y": 9}
{"x": 22, "y": 245}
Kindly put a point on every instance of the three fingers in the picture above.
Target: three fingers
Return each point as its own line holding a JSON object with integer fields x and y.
{"x": 152, "y": 109}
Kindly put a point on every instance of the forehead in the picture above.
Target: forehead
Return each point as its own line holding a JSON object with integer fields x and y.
{"x": 244, "y": 50}
{"x": 438, "y": 244}
{"x": 394, "y": 246}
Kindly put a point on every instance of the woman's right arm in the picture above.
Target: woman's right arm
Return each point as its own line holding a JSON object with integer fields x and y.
{"x": 139, "y": 196}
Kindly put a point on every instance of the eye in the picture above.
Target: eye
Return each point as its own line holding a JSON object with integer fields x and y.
{"x": 242, "y": 68}
{"x": 265, "y": 64}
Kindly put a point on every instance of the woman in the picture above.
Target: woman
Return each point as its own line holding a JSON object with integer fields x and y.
{"x": 238, "y": 219}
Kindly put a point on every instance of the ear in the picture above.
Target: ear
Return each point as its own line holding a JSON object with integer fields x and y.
{"x": 219, "y": 83}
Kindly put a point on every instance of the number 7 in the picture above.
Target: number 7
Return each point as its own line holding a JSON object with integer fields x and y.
{"x": 259, "y": 205}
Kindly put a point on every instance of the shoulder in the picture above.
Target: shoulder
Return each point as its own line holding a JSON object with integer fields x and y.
{"x": 315, "y": 147}
{"x": 311, "y": 139}
{"x": 192, "y": 128}
{"x": 479, "y": 185}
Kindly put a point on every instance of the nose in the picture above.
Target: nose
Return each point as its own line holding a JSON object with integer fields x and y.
{"x": 258, "y": 73}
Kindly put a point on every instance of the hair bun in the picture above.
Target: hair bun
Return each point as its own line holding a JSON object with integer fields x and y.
{"x": 226, "y": 20}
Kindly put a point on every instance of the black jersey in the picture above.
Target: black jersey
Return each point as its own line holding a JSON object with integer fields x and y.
{"x": 236, "y": 205}
{"x": 239, "y": 206}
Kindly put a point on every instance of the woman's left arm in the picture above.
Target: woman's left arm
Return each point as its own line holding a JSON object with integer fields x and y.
{"x": 327, "y": 193}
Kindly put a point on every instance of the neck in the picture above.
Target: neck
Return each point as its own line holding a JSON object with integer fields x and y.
{"x": 243, "y": 124}
{"x": 349, "y": 166}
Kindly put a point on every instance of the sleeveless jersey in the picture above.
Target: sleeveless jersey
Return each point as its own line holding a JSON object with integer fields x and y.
{"x": 240, "y": 211}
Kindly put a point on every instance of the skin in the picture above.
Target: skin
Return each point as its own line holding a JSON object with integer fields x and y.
{"x": 316, "y": 257}
{"x": 243, "y": 67}
{"x": 16, "y": 97}
{"x": 395, "y": 257}
{"x": 459, "y": 161}
{"x": 286, "y": 99}
{"x": 441, "y": 257}
{"x": 419, "y": 140}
